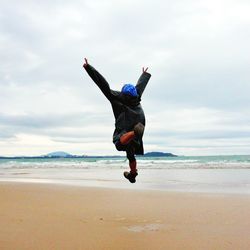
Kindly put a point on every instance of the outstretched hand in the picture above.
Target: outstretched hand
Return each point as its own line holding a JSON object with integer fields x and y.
{"x": 144, "y": 70}
{"x": 85, "y": 62}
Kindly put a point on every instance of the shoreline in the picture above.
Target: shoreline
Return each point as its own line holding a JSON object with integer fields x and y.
{"x": 51, "y": 216}
{"x": 231, "y": 181}
{"x": 127, "y": 187}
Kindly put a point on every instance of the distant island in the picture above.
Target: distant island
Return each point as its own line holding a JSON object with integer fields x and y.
{"x": 159, "y": 154}
{"x": 58, "y": 154}
{"x": 61, "y": 154}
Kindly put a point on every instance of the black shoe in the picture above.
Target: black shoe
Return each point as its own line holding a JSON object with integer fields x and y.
{"x": 130, "y": 176}
{"x": 139, "y": 129}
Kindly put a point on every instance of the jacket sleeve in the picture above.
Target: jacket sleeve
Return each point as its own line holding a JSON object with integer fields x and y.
{"x": 142, "y": 82}
{"x": 99, "y": 80}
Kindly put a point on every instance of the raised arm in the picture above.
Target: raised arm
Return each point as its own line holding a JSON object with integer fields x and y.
{"x": 98, "y": 79}
{"x": 142, "y": 82}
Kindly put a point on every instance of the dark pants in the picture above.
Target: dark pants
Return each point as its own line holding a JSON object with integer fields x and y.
{"x": 129, "y": 148}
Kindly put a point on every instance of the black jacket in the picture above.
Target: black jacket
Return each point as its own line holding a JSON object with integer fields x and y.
{"x": 127, "y": 109}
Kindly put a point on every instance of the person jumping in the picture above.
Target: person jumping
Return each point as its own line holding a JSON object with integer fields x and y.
{"x": 128, "y": 113}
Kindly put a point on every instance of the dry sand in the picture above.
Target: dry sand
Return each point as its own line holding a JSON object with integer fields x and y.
{"x": 45, "y": 216}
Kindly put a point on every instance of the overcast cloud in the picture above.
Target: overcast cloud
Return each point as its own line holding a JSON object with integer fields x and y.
{"x": 196, "y": 103}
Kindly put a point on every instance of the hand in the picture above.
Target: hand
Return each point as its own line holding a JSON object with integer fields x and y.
{"x": 144, "y": 70}
{"x": 85, "y": 62}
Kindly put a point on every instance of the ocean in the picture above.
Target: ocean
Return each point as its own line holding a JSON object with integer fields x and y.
{"x": 211, "y": 174}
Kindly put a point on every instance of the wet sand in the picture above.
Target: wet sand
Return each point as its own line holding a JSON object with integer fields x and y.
{"x": 49, "y": 216}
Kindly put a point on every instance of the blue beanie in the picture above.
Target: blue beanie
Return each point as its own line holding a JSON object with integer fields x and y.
{"x": 129, "y": 89}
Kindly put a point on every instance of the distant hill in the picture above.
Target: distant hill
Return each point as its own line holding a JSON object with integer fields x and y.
{"x": 61, "y": 154}
{"x": 149, "y": 154}
{"x": 159, "y": 154}
{"x": 58, "y": 154}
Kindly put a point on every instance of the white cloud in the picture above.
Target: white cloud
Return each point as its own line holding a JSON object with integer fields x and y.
{"x": 197, "y": 52}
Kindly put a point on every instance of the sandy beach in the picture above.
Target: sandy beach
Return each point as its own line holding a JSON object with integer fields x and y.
{"x": 49, "y": 216}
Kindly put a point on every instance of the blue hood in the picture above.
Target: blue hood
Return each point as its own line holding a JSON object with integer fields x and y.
{"x": 129, "y": 89}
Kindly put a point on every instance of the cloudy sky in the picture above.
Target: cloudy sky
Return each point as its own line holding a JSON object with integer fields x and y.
{"x": 196, "y": 103}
